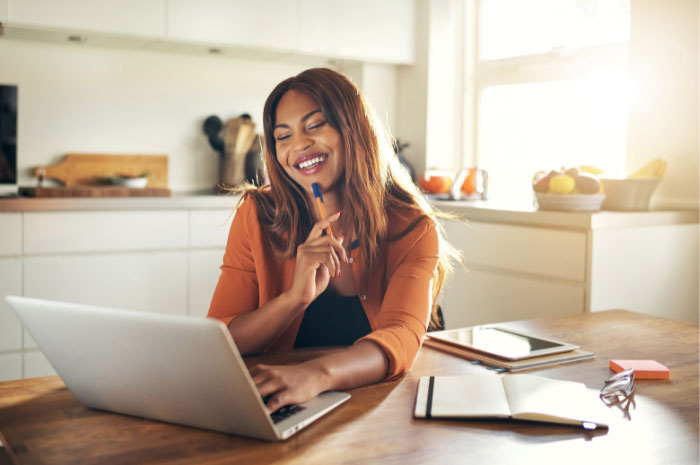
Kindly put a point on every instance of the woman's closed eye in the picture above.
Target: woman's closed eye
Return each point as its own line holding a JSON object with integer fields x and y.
{"x": 315, "y": 125}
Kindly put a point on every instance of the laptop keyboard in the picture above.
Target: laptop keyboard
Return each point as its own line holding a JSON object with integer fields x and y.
{"x": 284, "y": 412}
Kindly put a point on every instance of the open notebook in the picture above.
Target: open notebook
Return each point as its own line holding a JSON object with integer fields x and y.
{"x": 520, "y": 397}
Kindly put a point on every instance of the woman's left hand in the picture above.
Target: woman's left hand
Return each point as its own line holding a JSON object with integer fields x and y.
{"x": 289, "y": 384}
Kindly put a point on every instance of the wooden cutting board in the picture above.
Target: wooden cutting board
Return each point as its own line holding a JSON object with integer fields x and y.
{"x": 83, "y": 169}
{"x": 96, "y": 191}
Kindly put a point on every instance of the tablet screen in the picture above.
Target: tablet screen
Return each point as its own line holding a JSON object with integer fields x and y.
{"x": 501, "y": 342}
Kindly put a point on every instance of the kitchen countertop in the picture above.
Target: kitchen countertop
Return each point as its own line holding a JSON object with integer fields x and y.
{"x": 478, "y": 211}
{"x": 527, "y": 214}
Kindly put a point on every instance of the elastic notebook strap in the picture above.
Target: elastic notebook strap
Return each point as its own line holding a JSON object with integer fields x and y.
{"x": 429, "y": 404}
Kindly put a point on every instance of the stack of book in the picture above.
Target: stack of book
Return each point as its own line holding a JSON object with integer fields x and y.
{"x": 455, "y": 343}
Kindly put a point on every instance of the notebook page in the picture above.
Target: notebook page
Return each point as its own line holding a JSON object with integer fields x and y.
{"x": 473, "y": 395}
{"x": 538, "y": 398}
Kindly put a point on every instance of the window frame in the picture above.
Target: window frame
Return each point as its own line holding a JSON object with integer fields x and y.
{"x": 561, "y": 63}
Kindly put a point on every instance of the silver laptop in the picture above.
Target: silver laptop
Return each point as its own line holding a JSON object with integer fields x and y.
{"x": 170, "y": 368}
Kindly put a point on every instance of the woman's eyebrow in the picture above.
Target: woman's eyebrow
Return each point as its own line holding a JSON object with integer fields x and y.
{"x": 303, "y": 118}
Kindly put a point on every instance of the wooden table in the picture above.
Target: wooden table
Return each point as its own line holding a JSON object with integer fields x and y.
{"x": 41, "y": 422}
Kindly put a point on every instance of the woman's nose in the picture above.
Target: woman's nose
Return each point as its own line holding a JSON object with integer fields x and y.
{"x": 300, "y": 141}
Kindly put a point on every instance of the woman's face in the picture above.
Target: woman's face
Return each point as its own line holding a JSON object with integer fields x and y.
{"x": 307, "y": 147}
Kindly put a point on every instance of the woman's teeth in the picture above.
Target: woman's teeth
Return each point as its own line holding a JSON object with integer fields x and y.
{"x": 309, "y": 163}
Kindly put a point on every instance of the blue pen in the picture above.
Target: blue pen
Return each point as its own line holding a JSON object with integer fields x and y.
{"x": 319, "y": 200}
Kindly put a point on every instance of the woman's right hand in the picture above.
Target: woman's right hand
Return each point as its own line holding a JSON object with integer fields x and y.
{"x": 318, "y": 259}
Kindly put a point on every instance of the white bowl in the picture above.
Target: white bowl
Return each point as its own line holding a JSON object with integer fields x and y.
{"x": 628, "y": 194}
{"x": 135, "y": 183}
{"x": 570, "y": 202}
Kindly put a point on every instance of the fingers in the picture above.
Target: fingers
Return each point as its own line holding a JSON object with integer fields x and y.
{"x": 277, "y": 401}
{"x": 323, "y": 255}
{"x": 268, "y": 382}
{"x": 317, "y": 230}
{"x": 337, "y": 245}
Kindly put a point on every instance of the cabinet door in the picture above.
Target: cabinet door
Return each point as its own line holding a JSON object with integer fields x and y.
{"x": 132, "y": 17}
{"x": 10, "y": 366}
{"x": 480, "y": 297}
{"x": 151, "y": 282}
{"x": 10, "y": 234}
{"x": 367, "y": 30}
{"x": 36, "y": 364}
{"x": 210, "y": 228}
{"x": 270, "y": 24}
{"x": 10, "y": 284}
{"x": 97, "y": 231}
{"x": 523, "y": 249}
{"x": 204, "y": 274}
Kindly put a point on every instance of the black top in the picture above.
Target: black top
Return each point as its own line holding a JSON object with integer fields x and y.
{"x": 332, "y": 320}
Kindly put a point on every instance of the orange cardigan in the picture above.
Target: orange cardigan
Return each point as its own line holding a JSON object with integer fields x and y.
{"x": 397, "y": 300}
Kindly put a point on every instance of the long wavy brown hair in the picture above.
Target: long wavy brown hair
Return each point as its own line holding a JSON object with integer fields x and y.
{"x": 373, "y": 182}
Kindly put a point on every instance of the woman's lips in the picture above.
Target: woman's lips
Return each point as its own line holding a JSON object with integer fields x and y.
{"x": 311, "y": 164}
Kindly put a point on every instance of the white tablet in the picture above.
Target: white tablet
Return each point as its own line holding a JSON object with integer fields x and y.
{"x": 501, "y": 342}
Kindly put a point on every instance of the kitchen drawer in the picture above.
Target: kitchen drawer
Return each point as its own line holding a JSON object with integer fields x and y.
{"x": 152, "y": 282}
{"x": 10, "y": 366}
{"x": 204, "y": 274}
{"x": 68, "y": 232}
{"x": 210, "y": 228}
{"x": 10, "y": 233}
{"x": 481, "y": 297}
{"x": 538, "y": 251}
{"x": 10, "y": 284}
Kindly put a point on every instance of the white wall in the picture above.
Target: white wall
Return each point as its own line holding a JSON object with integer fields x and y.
{"x": 664, "y": 120}
{"x": 77, "y": 98}
{"x": 412, "y": 94}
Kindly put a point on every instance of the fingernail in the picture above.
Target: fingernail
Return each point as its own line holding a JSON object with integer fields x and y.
{"x": 338, "y": 212}
{"x": 341, "y": 239}
{"x": 340, "y": 275}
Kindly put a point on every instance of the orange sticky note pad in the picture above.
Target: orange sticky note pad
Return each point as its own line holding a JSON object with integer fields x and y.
{"x": 643, "y": 369}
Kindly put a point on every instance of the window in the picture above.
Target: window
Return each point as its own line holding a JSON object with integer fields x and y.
{"x": 550, "y": 89}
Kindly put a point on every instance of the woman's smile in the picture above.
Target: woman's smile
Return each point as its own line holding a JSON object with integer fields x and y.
{"x": 311, "y": 163}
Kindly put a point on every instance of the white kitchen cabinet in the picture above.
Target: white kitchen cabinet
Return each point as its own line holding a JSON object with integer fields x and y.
{"x": 649, "y": 269}
{"x": 513, "y": 272}
{"x": 10, "y": 234}
{"x": 479, "y": 297}
{"x": 10, "y": 366}
{"x": 36, "y": 364}
{"x": 272, "y": 24}
{"x": 87, "y": 231}
{"x": 366, "y": 30}
{"x": 155, "y": 255}
{"x": 152, "y": 282}
{"x": 523, "y": 263}
{"x": 210, "y": 228}
{"x": 538, "y": 251}
{"x": 204, "y": 274}
{"x": 128, "y": 17}
{"x": 10, "y": 284}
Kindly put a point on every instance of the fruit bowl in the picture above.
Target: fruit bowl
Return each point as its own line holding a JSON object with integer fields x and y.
{"x": 570, "y": 202}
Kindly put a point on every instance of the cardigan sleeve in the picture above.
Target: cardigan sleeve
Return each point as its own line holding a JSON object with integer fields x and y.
{"x": 403, "y": 316}
{"x": 237, "y": 289}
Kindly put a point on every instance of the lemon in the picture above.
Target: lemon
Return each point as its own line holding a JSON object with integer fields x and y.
{"x": 562, "y": 184}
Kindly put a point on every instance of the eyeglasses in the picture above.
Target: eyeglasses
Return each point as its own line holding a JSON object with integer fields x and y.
{"x": 618, "y": 385}
{"x": 618, "y": 391}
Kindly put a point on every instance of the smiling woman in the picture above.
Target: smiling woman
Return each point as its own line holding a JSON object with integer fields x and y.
{"x": 370, "y": 285}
